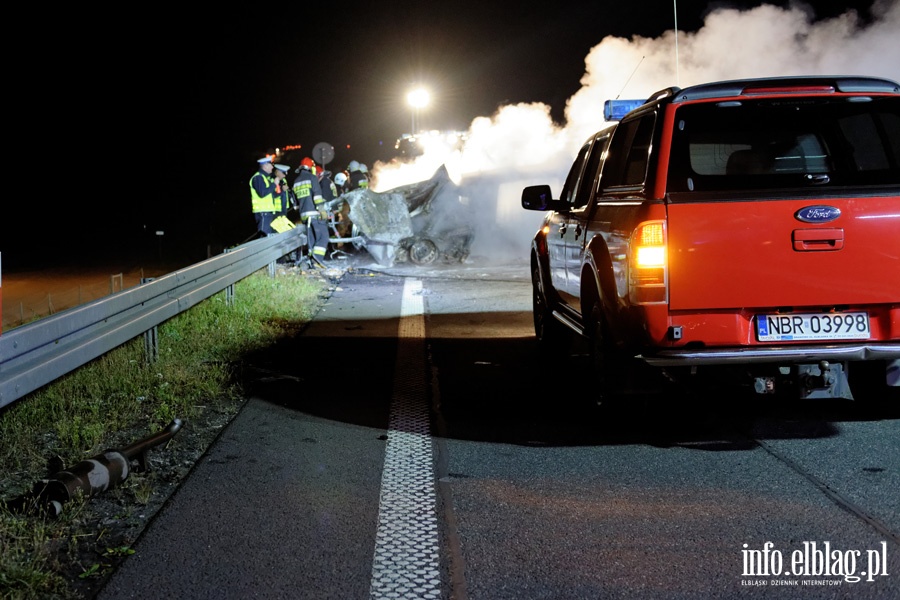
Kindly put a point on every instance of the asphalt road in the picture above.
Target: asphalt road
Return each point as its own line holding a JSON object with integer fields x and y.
{"x": 411, "y": 444}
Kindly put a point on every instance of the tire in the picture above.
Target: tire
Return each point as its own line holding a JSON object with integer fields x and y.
{"x": 871, "y": 393}
{"x": 423, "y": 251}
{"x": 609, "y": 369}
{"x": 550, "y": 333}
{"x": 625, "y": 386}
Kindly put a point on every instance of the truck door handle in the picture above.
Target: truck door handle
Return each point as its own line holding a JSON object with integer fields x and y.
{"x": 817, "y": 179}
{"x": 562, "y": 229}
{"x": 578, "y": 230}
{"x": 816, "y": 240}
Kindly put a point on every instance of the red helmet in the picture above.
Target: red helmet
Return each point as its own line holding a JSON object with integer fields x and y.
{"x": 307, "y": 163}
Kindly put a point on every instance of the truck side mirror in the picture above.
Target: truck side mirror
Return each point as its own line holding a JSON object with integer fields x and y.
{"x": 538, "y": 197}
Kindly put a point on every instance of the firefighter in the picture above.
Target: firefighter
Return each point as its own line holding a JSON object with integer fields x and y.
{"x": 340, "y": 181}
{"x": 358, "y": 179}
{"x": 364, "y": 181}
{"x": 262, "y": 196}
{"x": 312, "y": 211}
{"x": 343, "y": 225}
{"x": 329, "y": 189}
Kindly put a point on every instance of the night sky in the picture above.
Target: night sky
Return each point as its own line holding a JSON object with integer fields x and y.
{"x": 152, "y": 121}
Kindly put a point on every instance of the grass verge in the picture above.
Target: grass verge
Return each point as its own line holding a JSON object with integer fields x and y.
{"x": 115, "y": 400}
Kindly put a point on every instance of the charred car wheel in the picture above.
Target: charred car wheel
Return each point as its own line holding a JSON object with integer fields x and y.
{"x": 423, "y": 251}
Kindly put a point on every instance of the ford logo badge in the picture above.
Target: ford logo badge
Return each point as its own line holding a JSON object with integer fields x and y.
{"x": 817, "y": 214}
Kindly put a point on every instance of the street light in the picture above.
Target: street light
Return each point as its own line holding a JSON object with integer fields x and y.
{"x": 417, "y": 99}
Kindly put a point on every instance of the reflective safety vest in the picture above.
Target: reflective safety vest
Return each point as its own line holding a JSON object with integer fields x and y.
{"x": 258, "y": 202}
{"x": 302, "y": 188}
{"x": 309, "y": 194}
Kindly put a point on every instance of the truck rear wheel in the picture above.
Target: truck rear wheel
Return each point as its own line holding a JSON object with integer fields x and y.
{"x": 610, "y": 369}
{"x": 868, "y": 383}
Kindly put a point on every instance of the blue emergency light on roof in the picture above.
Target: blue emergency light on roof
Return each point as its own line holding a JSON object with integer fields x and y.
{"x": 614, "y": 110}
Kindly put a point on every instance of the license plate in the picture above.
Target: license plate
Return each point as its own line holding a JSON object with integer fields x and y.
{"x": 812, "y": 326}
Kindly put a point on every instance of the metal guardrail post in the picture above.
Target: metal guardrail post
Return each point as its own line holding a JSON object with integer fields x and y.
{"x": 229, "y": 290}
{"x": 151, "y": 344}
{"x": 151, "y": 336}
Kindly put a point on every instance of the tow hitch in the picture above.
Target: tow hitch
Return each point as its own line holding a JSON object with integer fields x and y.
{"x": 822, "y": 380}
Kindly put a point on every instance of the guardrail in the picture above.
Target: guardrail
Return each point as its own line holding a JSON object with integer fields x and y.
{"x": 38, "y": 353}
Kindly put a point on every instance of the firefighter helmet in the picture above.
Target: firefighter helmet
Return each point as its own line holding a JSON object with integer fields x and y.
{"x": 340, "y": 179}
{"x": 353, "y": 166}
{"x": 363, "y": 168}
{"x": 307, "y": 163}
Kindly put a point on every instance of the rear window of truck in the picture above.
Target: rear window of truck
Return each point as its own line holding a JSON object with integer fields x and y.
{"x": 785, "y": 143}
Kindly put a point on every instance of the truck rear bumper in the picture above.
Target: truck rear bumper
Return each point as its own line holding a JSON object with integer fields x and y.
{"x": 773, "y": 354}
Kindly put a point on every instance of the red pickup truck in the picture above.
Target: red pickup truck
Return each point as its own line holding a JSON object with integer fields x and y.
{"x": 749, "y": 228}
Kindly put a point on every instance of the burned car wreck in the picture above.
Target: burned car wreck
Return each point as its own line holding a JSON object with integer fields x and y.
{"x": 420, "y": 223}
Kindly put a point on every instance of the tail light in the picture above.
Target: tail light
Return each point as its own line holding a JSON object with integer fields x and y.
{"x": 648, "y": 264}
{"x": 794, "y": 89}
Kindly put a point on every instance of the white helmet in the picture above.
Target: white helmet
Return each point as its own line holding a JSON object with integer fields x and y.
{"x": 340, "y": 179}
{"x": 363, "y": 168}
{"x": 353, "y": 166}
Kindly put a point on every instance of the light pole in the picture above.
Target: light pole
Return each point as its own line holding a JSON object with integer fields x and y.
{"x": 417, "y": 100}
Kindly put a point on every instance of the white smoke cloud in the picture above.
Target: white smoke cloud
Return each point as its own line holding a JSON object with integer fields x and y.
{"x": 520, "y": 145}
